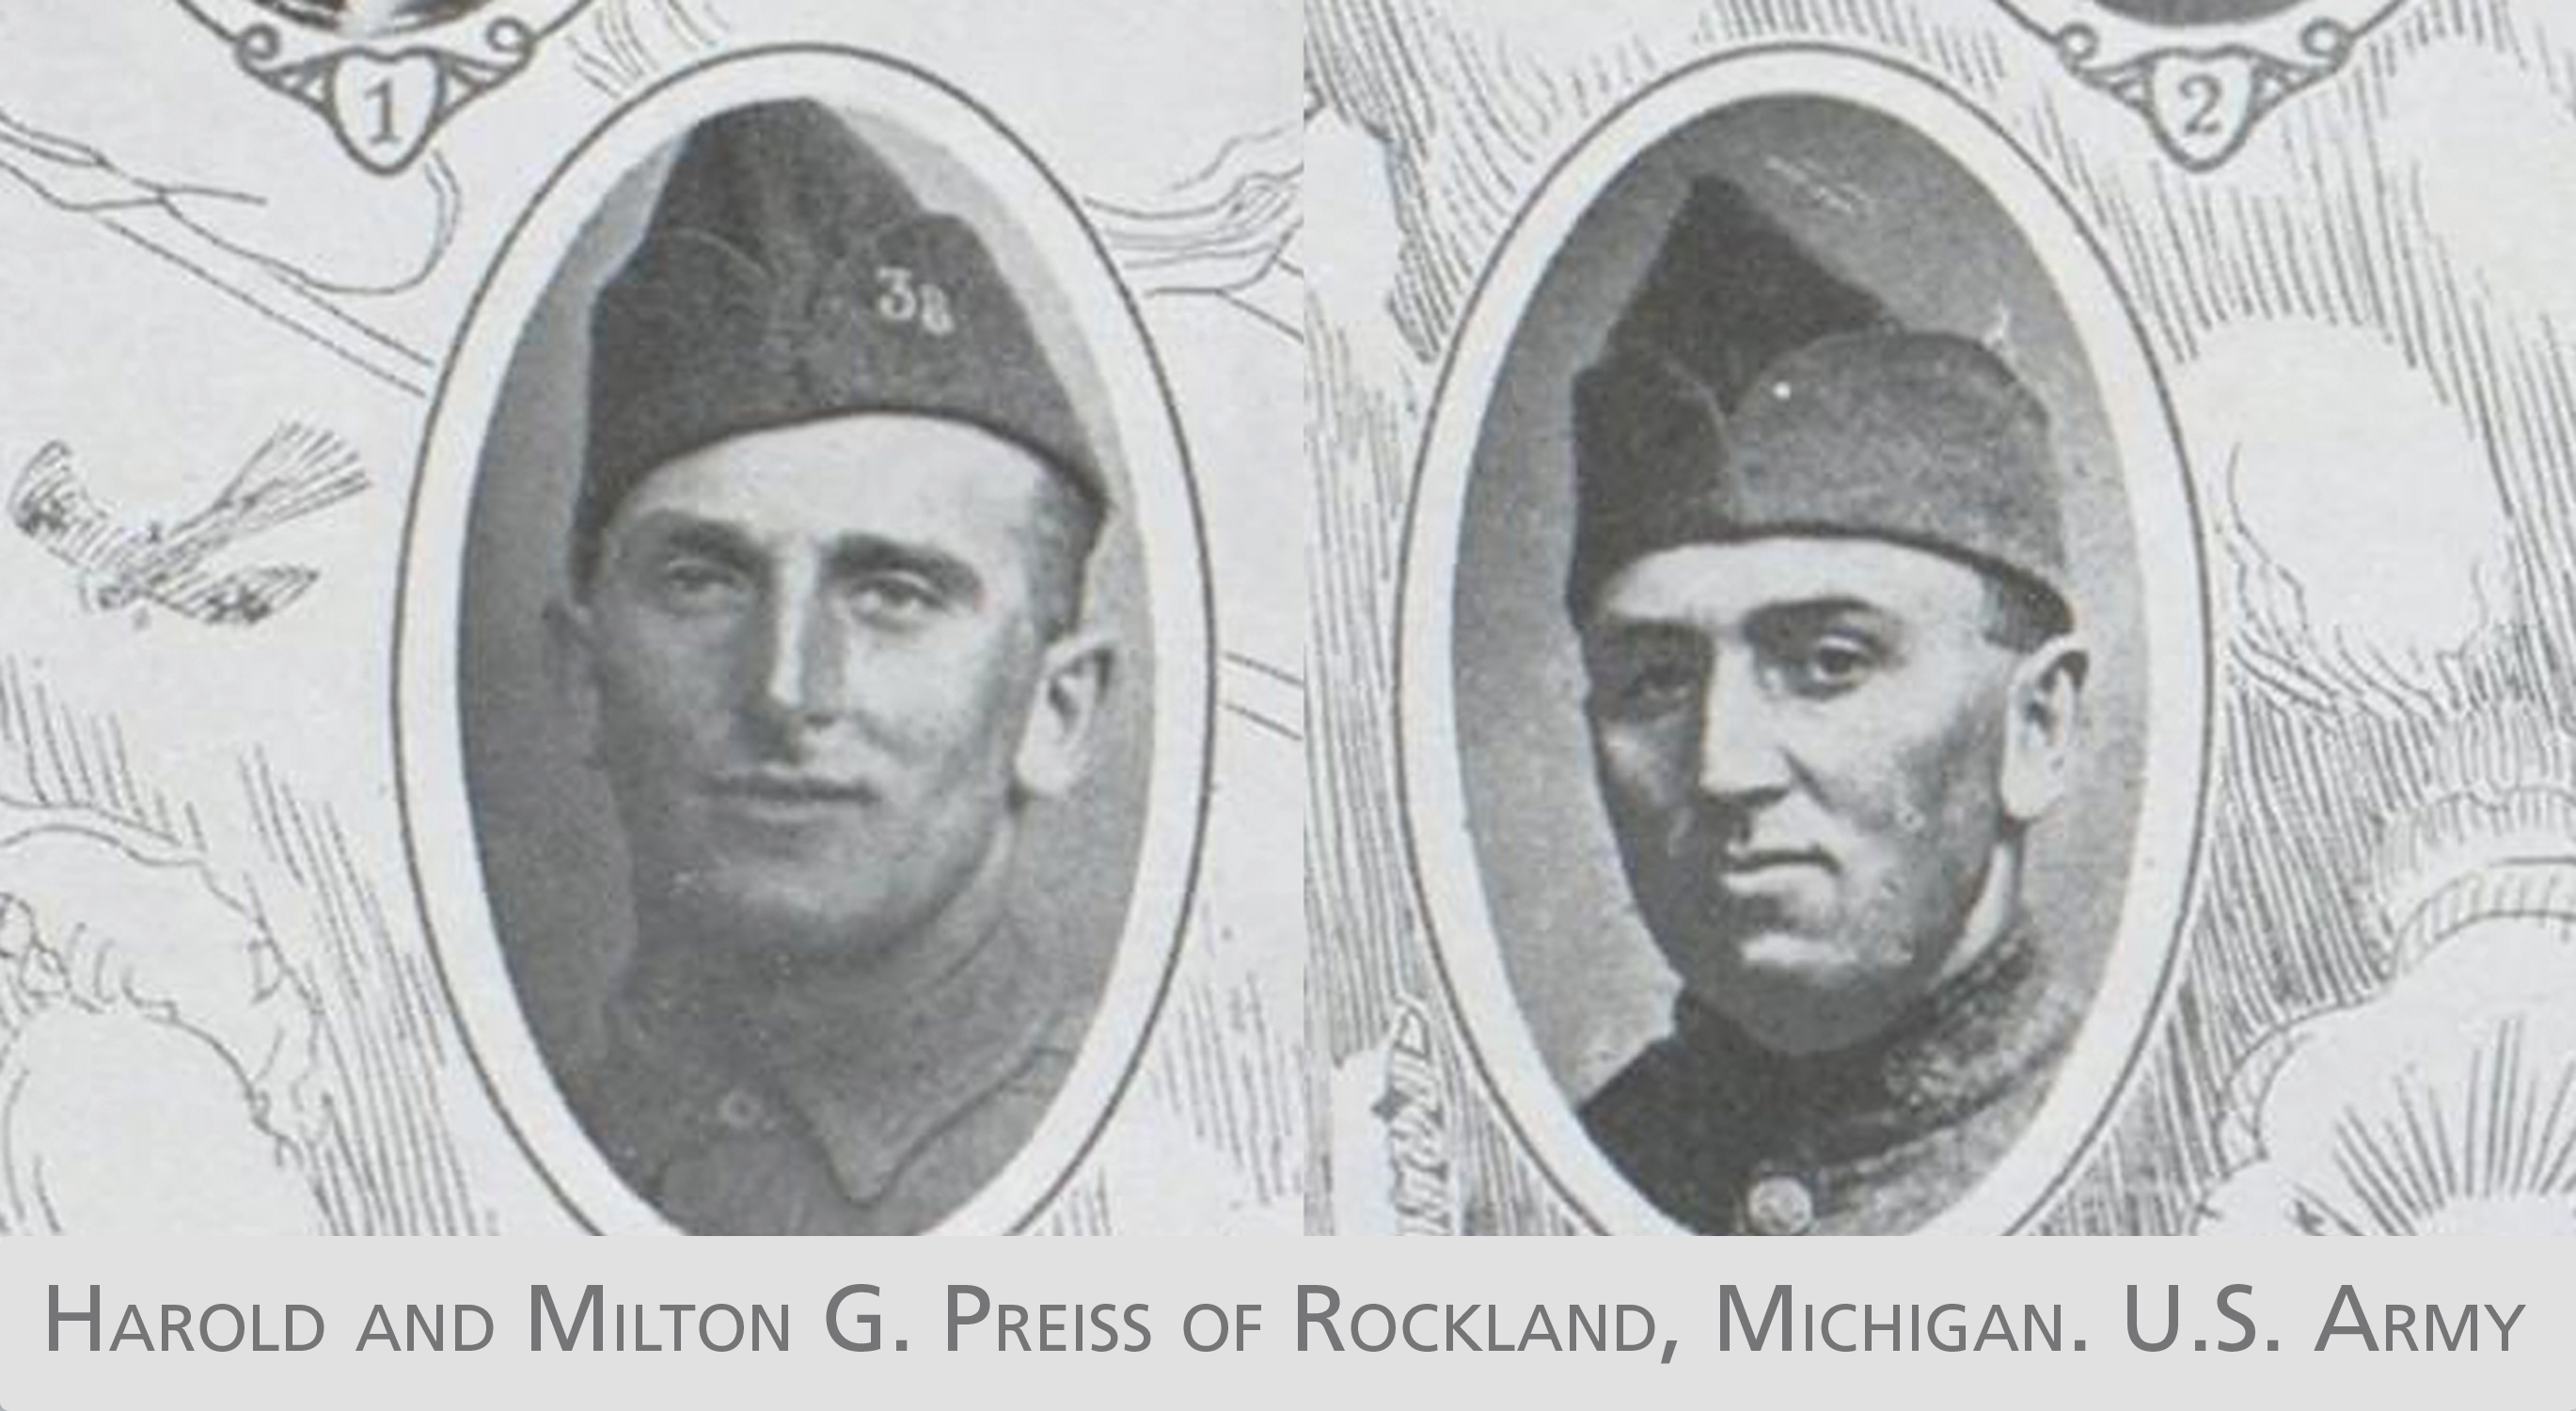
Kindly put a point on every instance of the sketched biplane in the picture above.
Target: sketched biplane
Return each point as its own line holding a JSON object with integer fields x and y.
{"x": 298, "y": 471}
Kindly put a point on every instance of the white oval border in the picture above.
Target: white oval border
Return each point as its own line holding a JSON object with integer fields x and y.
{"x": 2172, "y": 597}
{"x": 438, "y": 819}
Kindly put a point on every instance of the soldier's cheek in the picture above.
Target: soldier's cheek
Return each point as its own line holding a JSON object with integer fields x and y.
{"x": 1837, "y": 766}
{"x": 676, "y": 668}
{"x": 1646, "y": 766}
{"x": 909, "y": 698}
{"x": 1877, "y": 759}
{"x": 661, "y": 732}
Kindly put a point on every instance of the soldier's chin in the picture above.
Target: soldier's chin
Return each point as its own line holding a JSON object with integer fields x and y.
{"x": 1797, "y": 994}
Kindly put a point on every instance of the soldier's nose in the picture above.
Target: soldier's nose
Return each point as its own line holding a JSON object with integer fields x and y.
{"x": 1741, "y": 759}
{"x": 802, "y": 666}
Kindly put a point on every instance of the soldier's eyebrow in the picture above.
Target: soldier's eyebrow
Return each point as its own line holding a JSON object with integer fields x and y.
{"x": 1611, "y": 632}
{"x": 669, "y": 530}
{"x": 1808, "y": 617}
{"x": 867, "y": 555}
{"x": 848, "y": 556}
{"x": 1776, "y": 618}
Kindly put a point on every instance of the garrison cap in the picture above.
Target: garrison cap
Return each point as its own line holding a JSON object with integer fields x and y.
{"x": 788, "y": 275}
{"x": 1749, "y": 390}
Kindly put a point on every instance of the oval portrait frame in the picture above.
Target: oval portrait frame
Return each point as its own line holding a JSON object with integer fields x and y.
{"x": 440, "y": 835}
{"x": 2146, "y": 952}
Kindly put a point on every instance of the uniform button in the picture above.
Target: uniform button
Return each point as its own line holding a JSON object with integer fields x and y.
{"x": 742, "y": 1110}
{"x": 1779, "y": 1205}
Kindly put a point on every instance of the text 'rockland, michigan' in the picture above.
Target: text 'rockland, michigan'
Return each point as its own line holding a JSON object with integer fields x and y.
{"x": 857, "y": 1320}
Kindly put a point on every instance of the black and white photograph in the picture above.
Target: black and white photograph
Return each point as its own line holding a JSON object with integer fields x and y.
{"x": 1799, "y": 679}
{"x": 828, "y": 646}
{"x": 1765, "y": 617}
{"x": 1663, "y": 919}
{"x": 806, "y": 675}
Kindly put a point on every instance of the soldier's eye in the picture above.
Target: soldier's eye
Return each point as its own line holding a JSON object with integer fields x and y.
{"x": 1831, "y": 664}
{"x": 895, "y": 597}
{"x": 1653, "y": 686}
{"x": 695, "y": 583}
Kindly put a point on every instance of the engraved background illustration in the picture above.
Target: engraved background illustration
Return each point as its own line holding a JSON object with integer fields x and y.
{"x": 2358, "y": 314}
{"x": 218, "y": 1004}
{"x": 219, "y": 1007}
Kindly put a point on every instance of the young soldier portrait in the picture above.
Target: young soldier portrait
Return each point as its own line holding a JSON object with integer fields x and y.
{"x": 825, "y": 642}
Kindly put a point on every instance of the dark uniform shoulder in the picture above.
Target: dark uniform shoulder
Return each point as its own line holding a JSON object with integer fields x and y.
{"x": 1664, "y": 1122}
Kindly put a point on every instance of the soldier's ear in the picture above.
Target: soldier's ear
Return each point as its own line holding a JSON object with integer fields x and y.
{"x": 1056, "y": 745}
{"x": 572, "y": 664}
{"x": 2043, "y": 727}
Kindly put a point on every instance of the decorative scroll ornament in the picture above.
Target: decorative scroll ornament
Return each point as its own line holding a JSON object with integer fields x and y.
{"x": 385, "y": 74}
{"x": 2202, "y": 72}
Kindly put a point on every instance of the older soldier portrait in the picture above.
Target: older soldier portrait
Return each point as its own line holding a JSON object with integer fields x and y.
{"x": 826, "y": 643}
{"x": 1832, "y": 679}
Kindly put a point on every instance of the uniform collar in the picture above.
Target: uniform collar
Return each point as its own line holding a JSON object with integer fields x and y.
{"x": 868, "y": 1074}
{"x": 1977, "y": 1036}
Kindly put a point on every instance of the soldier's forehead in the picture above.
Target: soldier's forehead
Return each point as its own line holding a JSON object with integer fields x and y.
{"x": 1717, "y": 581}
{"x": 845, "y": 473}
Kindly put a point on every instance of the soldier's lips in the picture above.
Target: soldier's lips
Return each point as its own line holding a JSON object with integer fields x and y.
{"x": 789, "y": 793}
{"x": 1754, "y": 871}
{"x": 1754, "y": 862}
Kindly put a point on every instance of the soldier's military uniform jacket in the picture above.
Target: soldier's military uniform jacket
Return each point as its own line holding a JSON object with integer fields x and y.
{"x": 880, "y": 1113}
{"x": 1727, "y": 1137}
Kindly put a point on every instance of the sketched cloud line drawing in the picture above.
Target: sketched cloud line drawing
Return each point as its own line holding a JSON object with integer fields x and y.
{"x": 168, "y": 220}
{"x": 298, "y": 471}
{"x": 624, "y": 45}
{"x": 1227, "y": 232}
{"x": 216, "y": 957}
{"x": 92, "y": 989}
